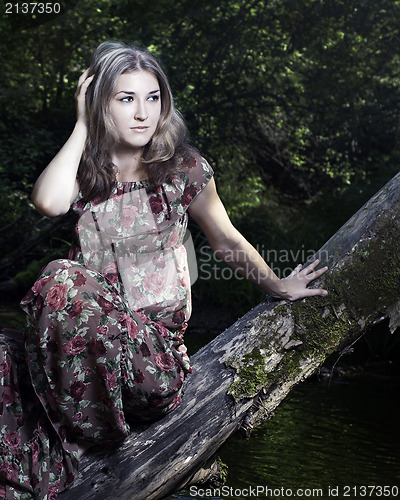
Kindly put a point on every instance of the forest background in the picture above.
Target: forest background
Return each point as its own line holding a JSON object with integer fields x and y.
{"x": 295, "y": 103}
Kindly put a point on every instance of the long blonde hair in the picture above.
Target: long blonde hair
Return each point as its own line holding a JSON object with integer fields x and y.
{"x": 96, "y": 174}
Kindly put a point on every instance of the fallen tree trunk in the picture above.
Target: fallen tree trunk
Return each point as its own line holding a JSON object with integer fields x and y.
{"x": 242, "y": 375}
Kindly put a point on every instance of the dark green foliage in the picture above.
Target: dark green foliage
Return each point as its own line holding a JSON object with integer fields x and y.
{"x": 295, "y": 103}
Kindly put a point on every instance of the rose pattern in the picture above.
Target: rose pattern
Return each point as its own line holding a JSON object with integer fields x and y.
{"x": 87, "y": 335}
{"x": 57, "y": 296}
{"x": 144, "y": 349}
{"x": 77, "y": 390}
{"x": 178, "y": 318}
{"x": 75, "y": 345}
{"x": 9, "y": 471}
{"x": 156, "y": 204}
{"x": 97, "y": 347}
{"x": 128, "y": 215}
{"x": 164, "y": 361}
{"x": 105, "y": 304}
{"x": 132, "y": 327}
{"x": 154, "y": 283}
{"x": 37, "y": 287}
{"x": 11, "y": 439}
{"x": 189, "y": 194}
{"x": 80, "y": 279}
{"x": 139, "y": 377}
{"x": 75, "y": 309}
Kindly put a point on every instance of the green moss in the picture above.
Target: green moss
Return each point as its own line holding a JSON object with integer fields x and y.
{"x": 322, "y": 327}
{"x": 253, "y": 375}
{"x": 223, "y": 472}
{"x": 369, "y": 281}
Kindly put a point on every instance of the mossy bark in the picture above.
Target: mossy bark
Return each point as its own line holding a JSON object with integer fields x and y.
{"x": 292, "y": 340}
{"x": 242, "y": 375}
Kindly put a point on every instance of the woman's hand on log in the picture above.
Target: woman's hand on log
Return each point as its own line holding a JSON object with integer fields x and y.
{"x": 295, "y": 286}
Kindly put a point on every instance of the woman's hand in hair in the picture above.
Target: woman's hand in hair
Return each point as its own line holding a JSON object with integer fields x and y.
{"x": 57, "y": 186}
{"x": 80, "y": 96}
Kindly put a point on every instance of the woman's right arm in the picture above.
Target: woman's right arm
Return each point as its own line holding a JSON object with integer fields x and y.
{"x": 57, "y": 186}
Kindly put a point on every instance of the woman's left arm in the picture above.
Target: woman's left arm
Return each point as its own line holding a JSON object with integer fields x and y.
{"x": 231, "y": 246}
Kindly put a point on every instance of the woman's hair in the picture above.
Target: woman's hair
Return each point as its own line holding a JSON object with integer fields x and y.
{"x": 96, "y": 172}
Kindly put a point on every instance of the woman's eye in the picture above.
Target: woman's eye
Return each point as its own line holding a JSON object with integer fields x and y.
{"x": 127, "y": 98}
{"x": 154, "y": 98}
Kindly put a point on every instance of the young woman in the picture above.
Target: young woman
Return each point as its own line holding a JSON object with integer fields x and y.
{"x": 104, "y": 337}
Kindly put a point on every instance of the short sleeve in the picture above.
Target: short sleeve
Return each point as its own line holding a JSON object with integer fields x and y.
{"x": 195, "y": 176}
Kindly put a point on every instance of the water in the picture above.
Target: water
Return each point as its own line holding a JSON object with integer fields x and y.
{"x": 344, "y": 434}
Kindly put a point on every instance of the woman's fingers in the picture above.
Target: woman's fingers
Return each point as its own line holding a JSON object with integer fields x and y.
{"x": 84, "y": 80}
{"x": 80, "y": 94}
{"x": 298, "y": 280}
{"x": 87, "y": 82}
{"x": 316, "y": 291}
{"x": 320, "y": 272}
{"x": 83, "y": 77}
{"x": 310, "y": 272}
{"x": 311, "y": 266}
{"x": 83, "y": 88}
{"x": 296, "y": 270}
{"x": 301, "y": 277}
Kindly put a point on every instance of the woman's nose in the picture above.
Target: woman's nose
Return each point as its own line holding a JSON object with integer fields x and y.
{"x": 141, "y": 113}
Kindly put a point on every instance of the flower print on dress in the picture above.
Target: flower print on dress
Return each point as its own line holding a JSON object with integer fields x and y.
{"x": 132, "y": 326}
{"x": 77, "y": 390}
{"x": 104, "y": 345}
{"x": 139, "y": 377}
{"x": 11, "y": 439}
{"x": 35, "y": 450}
{"x": 37, "y": 287}
{"x": 9, "y": 471}
{"x": 75, "y": 346}
{"x": 96, "y": 347}
{"x": 188, "y": 195}
{"x": 154, "y": 284}
{"x": 128, "y": 215}
{"x": 110, "y": 272}
{"x": 57, "y": 296}
{"x": 106, "y": 305}
{"x": 144, "y": 349}
{"x": 178, "y": 317}
{"x": 79, "y": 279}
{"x": 156, "y": 204}
{"x": 164, "y": 361}
{"x": 75, "y": 309}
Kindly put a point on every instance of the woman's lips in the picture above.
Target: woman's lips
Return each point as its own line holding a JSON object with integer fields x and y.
{"x": 139, "y": 129}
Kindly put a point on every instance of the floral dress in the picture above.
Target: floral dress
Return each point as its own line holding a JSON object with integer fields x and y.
{"x": 104, "y": 338}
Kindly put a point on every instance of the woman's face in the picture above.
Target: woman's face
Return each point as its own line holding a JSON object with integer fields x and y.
{"x": 135, "y": 108}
